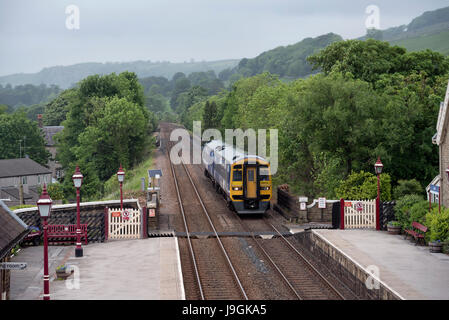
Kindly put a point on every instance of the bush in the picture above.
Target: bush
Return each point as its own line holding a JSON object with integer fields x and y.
{"x": 402, "y": 208}
{"x": 418, "y": 213}
{"x": 55, "y": 191}
{"x": 363, "y": 185}
{"x": 406, "y": 187}
{"x": 438, "y": 224}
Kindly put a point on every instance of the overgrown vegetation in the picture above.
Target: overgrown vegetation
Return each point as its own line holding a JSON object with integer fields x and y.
{"x": 371, "y": 100}
{"x": 107, "y": 124}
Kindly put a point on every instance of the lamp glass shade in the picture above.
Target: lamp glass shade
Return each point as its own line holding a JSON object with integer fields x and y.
{"x": 77, "y": 180}
{"x": 378, "y": 166}
{"x": 44, "y": 209}
{"x": 44, "y": 204}
{"x": 121, "y": 176}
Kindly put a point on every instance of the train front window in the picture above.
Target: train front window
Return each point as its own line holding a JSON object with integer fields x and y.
{"x": 264, "y": 173}
{"x": 237, "y": 175}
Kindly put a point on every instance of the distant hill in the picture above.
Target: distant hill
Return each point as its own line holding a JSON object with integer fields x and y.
{"x": 289, "y": 61}
{"x": 66, "y": 76}
{"x": 428, "y": 31}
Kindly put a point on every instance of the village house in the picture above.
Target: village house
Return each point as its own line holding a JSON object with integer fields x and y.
{"x": 12, "y": 231}
{"x": 441, "y": 138}
{"x": 50, "y": 146}
{"x": 20, "y": 179}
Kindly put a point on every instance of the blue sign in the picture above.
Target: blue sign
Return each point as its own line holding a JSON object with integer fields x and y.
{"x": 434, "y": 189}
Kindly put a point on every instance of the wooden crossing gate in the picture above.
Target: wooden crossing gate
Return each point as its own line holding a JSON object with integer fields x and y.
{"x": 360, "y": 214}
{"x": 124, "y": 224}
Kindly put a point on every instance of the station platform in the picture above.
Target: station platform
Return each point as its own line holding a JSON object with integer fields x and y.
{"x": 410, "y": 271}
{"x": 141, "y": 269}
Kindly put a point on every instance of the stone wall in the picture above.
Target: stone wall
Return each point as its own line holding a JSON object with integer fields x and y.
{"x": 351, "y": 274}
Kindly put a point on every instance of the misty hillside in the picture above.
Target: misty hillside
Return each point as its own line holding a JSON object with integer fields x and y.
{"x": 428, "y": 31}
{"x": 289, "y": 61}
{"x": 66, "y": 76}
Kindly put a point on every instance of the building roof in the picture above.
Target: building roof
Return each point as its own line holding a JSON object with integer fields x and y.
{"x": 21, "y": 167}
{"x": 49, "y": 132}
{"x": 12, "y": 230}
{"x": 442, "y": 119}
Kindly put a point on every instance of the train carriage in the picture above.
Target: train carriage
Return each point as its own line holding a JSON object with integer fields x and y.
{"x": 244, "y": 180}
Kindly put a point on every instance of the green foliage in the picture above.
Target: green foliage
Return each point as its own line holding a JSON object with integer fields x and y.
{"x": 27, "y": 95}
{"x": 106, "y": 124}
{"x": 394, "y": 223}
{"x": 55, "y": 191}
{"x": 13, "y": 128}
{"x": 403, "y": 206}
{"x": 368, "y": 60}
{"x": 363, "y": 185}
{"x": 438, "y": 224}
{"x": 22, "y": 206}
{"x": 210, "y": 115}
{"x": 56, "y": 110}
{"x": 418, "y": 212}
{"x": 405, "y": 187}
{"x": 289, "y": 61}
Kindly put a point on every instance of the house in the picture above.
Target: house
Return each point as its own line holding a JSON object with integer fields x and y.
{"x": 21, "y": 178}
{"x": 50, "y": 145}
{"x": 441, "y": 138}
{"x": 433, "y": 190}
{"x": 12, "y": 231}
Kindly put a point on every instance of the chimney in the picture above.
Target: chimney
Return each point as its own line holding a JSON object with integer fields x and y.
{"x": 39, "y": 120}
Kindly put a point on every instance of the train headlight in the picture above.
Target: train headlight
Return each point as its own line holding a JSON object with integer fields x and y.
{"x": 236, "y": 188}
{"x": 264, "y": 188}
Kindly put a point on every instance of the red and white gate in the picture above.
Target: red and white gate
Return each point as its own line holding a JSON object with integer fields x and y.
{"x": 124, "y": 224}
{"x": 360, "y": 214}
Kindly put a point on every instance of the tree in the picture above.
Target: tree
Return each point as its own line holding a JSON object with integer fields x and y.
{"x": 56, "y": 110}
{"x": 14, "y": 129}
{"x": 363, "y": 185}
{"x": 210, "y": 115}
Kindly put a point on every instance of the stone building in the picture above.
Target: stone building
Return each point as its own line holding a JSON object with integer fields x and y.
{"x": 50, "y": 145}
{"x": 441, "y": 138}
{"x": 21, "y": 178}
{"x": 12, "y": 231}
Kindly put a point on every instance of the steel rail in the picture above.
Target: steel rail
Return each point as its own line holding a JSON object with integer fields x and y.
{"x": 311, "y": 267}
{"x": 189, "y": 240}
{"x": 272, "y": 261}
{"x": 216, "y": 234}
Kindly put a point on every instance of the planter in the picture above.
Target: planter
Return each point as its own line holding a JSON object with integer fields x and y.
{"x": 62, "y": 273}
{"x": 394, "y": 229}
{"x": 435, "y": 247}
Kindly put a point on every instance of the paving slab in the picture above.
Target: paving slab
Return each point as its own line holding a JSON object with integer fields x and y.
{"x": 412, "y": 271}
{"x": 143, "y": 269}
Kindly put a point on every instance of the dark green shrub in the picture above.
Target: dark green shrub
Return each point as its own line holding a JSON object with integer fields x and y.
{"x": 363, "y": 185}
{"x": 402, "y": 208}
{"x": 438, "y": 224}
{"x": 406, "y": 187}
{"x": 418, "y": 213}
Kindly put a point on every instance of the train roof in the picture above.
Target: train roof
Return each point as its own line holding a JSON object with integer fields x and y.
{"x": 230, "y": 153}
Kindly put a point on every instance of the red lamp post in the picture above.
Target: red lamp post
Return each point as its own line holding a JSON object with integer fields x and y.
{"x": 121, "y": 178}
{"x": 378, "y": 166}
{"x": 44, "y": 206}
{"x": 78, "y": 181}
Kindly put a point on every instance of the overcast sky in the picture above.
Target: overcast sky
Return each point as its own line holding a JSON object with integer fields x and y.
{"x": 33, "y": 33}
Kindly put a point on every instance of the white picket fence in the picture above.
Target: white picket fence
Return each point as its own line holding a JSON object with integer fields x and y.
{"x": 360, "y": 214}
{"x": 121, "y": 228}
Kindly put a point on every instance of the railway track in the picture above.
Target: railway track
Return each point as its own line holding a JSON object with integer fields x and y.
{"x": 207, "y": 265}
{"x": 214, "y": 276}
{"x": 304, "y": 280}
